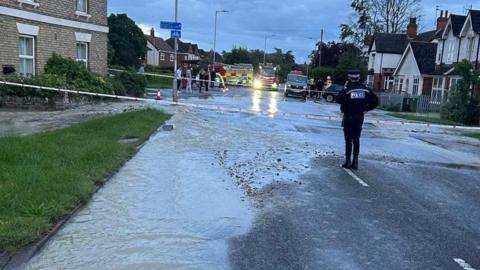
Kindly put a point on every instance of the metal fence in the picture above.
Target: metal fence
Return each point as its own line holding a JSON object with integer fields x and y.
{"x": 416, "y": 104}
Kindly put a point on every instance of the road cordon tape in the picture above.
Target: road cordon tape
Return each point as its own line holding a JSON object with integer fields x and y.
{"x": 212, "y": 107}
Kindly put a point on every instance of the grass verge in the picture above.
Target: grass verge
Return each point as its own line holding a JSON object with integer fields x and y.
{"x": 475, "y": 135}
{"x": 159, "y": 82}
{"x": 426, "y": 119}
{"x": 43, "y": 177}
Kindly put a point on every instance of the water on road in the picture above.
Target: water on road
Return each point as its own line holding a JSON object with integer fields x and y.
{"x": 237, "y": 191}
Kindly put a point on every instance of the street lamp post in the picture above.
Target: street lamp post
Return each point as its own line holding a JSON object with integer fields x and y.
{"x": 265, "y": 49}
{"x": 215, "y": 34}
{"x": 175, "y": 83}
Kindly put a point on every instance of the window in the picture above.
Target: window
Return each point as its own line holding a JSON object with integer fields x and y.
{"x": 470, "y": 48}
{"x": 186, "y": 57}
{"x": 27, "y": 56}
{"x": 82, "y": 6}
{"x": 370, "y": 81}
{"x": 453, "y": 83}
{"x": 389, "y": 83}
{"x": 437, "y": 90}
{"x": 172, "y": 58}
{"x": 82, "y": 53}
{"x": 415, "y": 86}
{"x": 162, "y": 56}
{"x": 398, "y": 84}
{"x": 450, "y": 51}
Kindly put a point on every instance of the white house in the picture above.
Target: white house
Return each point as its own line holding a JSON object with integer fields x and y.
{"x": 386, "y": 51}
{"x": 413, "y": 76}
{"x": 470, "y": 38}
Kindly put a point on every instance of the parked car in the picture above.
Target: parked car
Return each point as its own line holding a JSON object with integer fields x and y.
{"x": 330, "y": 94}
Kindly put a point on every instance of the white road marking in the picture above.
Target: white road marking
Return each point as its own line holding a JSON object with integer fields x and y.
{"x": 359, "y": 180}
{"x": 463, "y": 264}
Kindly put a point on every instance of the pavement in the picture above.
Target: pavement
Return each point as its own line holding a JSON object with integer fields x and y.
{"x": 241, "y": 191}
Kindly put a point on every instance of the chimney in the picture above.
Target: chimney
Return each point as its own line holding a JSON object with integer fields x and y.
{"x": 412, "y": 28}
{"x": 152, "y": 32}
{"x": 442, "y": 20}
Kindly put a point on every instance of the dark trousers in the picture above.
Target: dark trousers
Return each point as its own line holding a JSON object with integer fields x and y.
{"x": 202, "y": 83}
{"x": 179, "y": 84}
{"x": 352, "y": 130}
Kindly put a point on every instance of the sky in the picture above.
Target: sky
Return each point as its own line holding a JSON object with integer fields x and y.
{"x": 290, "y": 24}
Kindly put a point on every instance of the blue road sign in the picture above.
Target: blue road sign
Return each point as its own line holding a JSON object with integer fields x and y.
{"x": 171, "y": 25}
{"x": 176, "y": 34}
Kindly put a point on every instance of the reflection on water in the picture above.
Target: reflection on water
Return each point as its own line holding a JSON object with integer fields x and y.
{"x": 273, "y": 104}
{"x": 256, "y": 101}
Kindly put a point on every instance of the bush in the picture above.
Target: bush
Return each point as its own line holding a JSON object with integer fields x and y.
{"x": 49, "y": 80}
{"x": 462, "y": 106}
{"x": 133, "y": 84}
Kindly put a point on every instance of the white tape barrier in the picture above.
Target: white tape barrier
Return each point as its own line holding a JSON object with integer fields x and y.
{"x": 237, "y": 110}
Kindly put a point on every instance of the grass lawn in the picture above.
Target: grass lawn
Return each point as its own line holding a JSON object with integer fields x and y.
{"x": 159, "y": 82}
{"x": 427, "y": 119}
{"x": 475, "y": 135}
{"x": 43, "y": 177}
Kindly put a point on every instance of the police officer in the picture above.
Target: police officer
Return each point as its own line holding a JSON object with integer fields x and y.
{"x": 355, "y": 100}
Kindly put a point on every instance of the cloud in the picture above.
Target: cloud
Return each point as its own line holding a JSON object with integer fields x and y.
{"x": 248, "y": 22}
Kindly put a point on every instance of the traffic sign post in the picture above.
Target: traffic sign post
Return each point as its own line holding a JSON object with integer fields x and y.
{"x": 176, "y": 34}
{"x": 171, "y": 25}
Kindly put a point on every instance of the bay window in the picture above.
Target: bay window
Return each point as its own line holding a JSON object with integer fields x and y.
{"x": 26, "y": 56}
{"x": 389, "y": 83}
{"x": 437, "y": 90}
{"x": 415, "y": 86}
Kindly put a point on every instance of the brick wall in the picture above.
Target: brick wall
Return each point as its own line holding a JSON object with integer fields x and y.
{"x": 51, "y": 39}
{"x": 65, "y": 9}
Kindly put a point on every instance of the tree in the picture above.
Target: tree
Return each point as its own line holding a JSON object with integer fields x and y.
{"x": 373, "y": 16}
{"x": 462, "y": 106}
{"x": 331, "y": 53}
{"x": 127, "y": 44}
{"x": 350, "y": 59}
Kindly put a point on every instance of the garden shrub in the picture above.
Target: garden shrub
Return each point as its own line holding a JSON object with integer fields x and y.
{"x": 133, "y": 84}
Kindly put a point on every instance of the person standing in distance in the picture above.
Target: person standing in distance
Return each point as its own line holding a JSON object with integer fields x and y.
{"x": 355, "y": 100}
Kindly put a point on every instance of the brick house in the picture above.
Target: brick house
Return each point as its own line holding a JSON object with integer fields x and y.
{"x": 32, "y": 30}
{"x": 186, "y": 51}
{"x": 159, "y": 53}
{"x": 386, "y": 51}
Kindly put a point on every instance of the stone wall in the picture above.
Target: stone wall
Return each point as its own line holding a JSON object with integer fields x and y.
{"x": 59, "y": 102}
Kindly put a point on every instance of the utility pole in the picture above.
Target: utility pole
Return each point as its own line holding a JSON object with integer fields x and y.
{"x": 265, "y": 49}
{"x": 215, "y": 34}
{"x": 175, "y": 83}
{"x": 320, "y": 47}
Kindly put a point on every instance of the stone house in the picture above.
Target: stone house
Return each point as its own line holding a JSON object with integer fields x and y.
{"x": 33, "y": 30}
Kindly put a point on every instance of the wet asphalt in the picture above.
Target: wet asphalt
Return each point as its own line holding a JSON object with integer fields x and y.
{"x": 410, "y": 217}
{"x": 270, "y": 194}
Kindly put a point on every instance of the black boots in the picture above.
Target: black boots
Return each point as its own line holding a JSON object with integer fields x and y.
{"x": 354, "y": 163}
{"x": 351, "y": 164}
{"x": 348, "y": 162}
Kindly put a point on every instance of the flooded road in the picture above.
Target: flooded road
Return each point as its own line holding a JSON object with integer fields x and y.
{"x": 240, "y": 191}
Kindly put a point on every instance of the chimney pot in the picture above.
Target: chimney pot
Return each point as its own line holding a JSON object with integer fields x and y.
{"x": 152, "y": 32}
{"x": 442, "y": 21}
{"x": 412, "y": 28}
